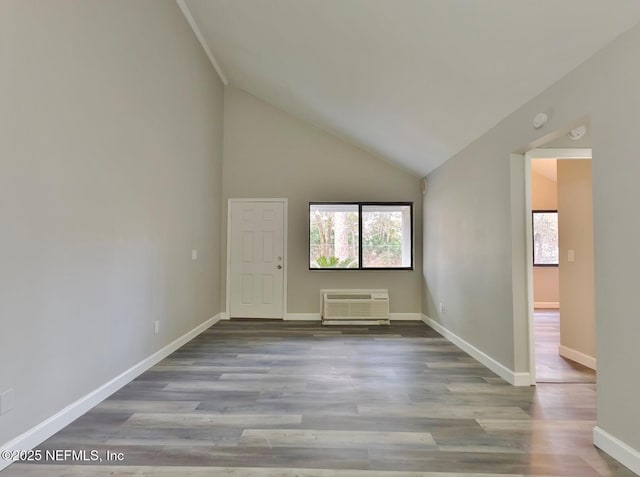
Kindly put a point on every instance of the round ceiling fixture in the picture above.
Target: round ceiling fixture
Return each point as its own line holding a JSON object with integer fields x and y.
{"x": 540, "y": 120}
{"x": 577, "y": 133}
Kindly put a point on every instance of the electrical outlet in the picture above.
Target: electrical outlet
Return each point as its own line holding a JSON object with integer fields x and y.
{"x": 156, "y": 327}
{"x": 194, "y": 254}
{"x": 6, "y": 401}
{"x": 443, "y": 309}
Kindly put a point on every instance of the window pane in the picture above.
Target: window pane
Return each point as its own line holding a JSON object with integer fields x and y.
{"x": 386, "y": 236}
{"x": 333, "y": 236}
{"x": 545, "y": 238}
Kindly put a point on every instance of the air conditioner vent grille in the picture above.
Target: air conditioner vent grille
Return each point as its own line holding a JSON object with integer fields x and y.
{"x": 363, "y": 296}
{"x": 355, "y": 305}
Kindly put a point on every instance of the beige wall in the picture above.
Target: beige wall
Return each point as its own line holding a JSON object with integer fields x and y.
{"x": 544, "y": 192}
{"x": 575, "y": 207}
{"x": 474, "y": 252}
{"x": 269, "y": 153}
{"x": 546, "y": 285}
{"x": 110, "y": 159}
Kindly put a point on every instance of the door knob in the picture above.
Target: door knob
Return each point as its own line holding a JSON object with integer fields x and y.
{"x": 279, "y": 267}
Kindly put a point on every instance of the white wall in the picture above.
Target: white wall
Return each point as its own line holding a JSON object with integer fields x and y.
{"x": 270, "y": 153}
{"x": 468, "y": 222}
{"x": 110, "y": 160}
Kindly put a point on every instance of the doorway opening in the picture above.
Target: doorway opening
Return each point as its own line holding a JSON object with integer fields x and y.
{"x": 560, "y": 265}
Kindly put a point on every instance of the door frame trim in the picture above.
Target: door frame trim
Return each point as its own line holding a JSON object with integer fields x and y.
{"x": 285, "y": 261}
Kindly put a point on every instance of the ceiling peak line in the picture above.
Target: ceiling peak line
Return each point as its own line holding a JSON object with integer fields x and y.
{"x": 194, "y": 26}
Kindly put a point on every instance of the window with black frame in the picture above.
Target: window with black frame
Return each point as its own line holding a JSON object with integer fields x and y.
{"x": 545, "y": 238}
{"x": 361, "y": 235}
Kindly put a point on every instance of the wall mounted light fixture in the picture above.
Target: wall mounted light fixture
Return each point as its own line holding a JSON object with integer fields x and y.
{"x": 540, "y": 120}
{"x": 577, "y": 133}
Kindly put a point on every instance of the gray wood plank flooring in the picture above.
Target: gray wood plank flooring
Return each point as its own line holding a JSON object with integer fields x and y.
{"x": 550, "y": 366}
{"x": 284, "y": 399}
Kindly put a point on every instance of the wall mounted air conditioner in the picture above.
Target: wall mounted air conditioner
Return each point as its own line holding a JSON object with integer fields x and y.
{"x": 346, "y": 306}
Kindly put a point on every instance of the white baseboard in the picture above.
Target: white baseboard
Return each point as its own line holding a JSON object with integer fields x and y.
{"x": 517, "y": 379}
{"x": 41, "y": 432}
{"x": 577, "y": 356}
{"x": 547, "y": 304}
{"x": 623, "y": 453}
{"x": 302, "y": 317}
{"x": 521, "y": 378}
{"x": 405, "y": 316}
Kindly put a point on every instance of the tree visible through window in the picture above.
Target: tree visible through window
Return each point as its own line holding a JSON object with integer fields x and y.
{"x": 360, "y": 235}
{"x": 545, "y": 238}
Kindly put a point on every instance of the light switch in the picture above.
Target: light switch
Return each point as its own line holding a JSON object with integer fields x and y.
{"x": 194, "y": 254}
{"x": 571, "y": 255}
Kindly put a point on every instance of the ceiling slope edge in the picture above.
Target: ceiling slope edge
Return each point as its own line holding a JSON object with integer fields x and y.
{"x": 194, "y": 26}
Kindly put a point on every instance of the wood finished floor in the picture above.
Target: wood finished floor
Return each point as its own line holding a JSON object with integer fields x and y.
{"x": 550, "y": 366}
{"x": 265, "y": 398}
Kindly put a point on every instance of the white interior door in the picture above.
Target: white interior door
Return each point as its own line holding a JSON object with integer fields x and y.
{"x": 256, "y": 258}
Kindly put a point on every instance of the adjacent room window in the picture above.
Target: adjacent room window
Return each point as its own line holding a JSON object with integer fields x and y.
{"x": 545, "y": 238}
{"x": 361, "y": 235}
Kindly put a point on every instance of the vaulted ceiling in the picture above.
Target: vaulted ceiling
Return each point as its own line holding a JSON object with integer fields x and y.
{"x": 412, "y": 81}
